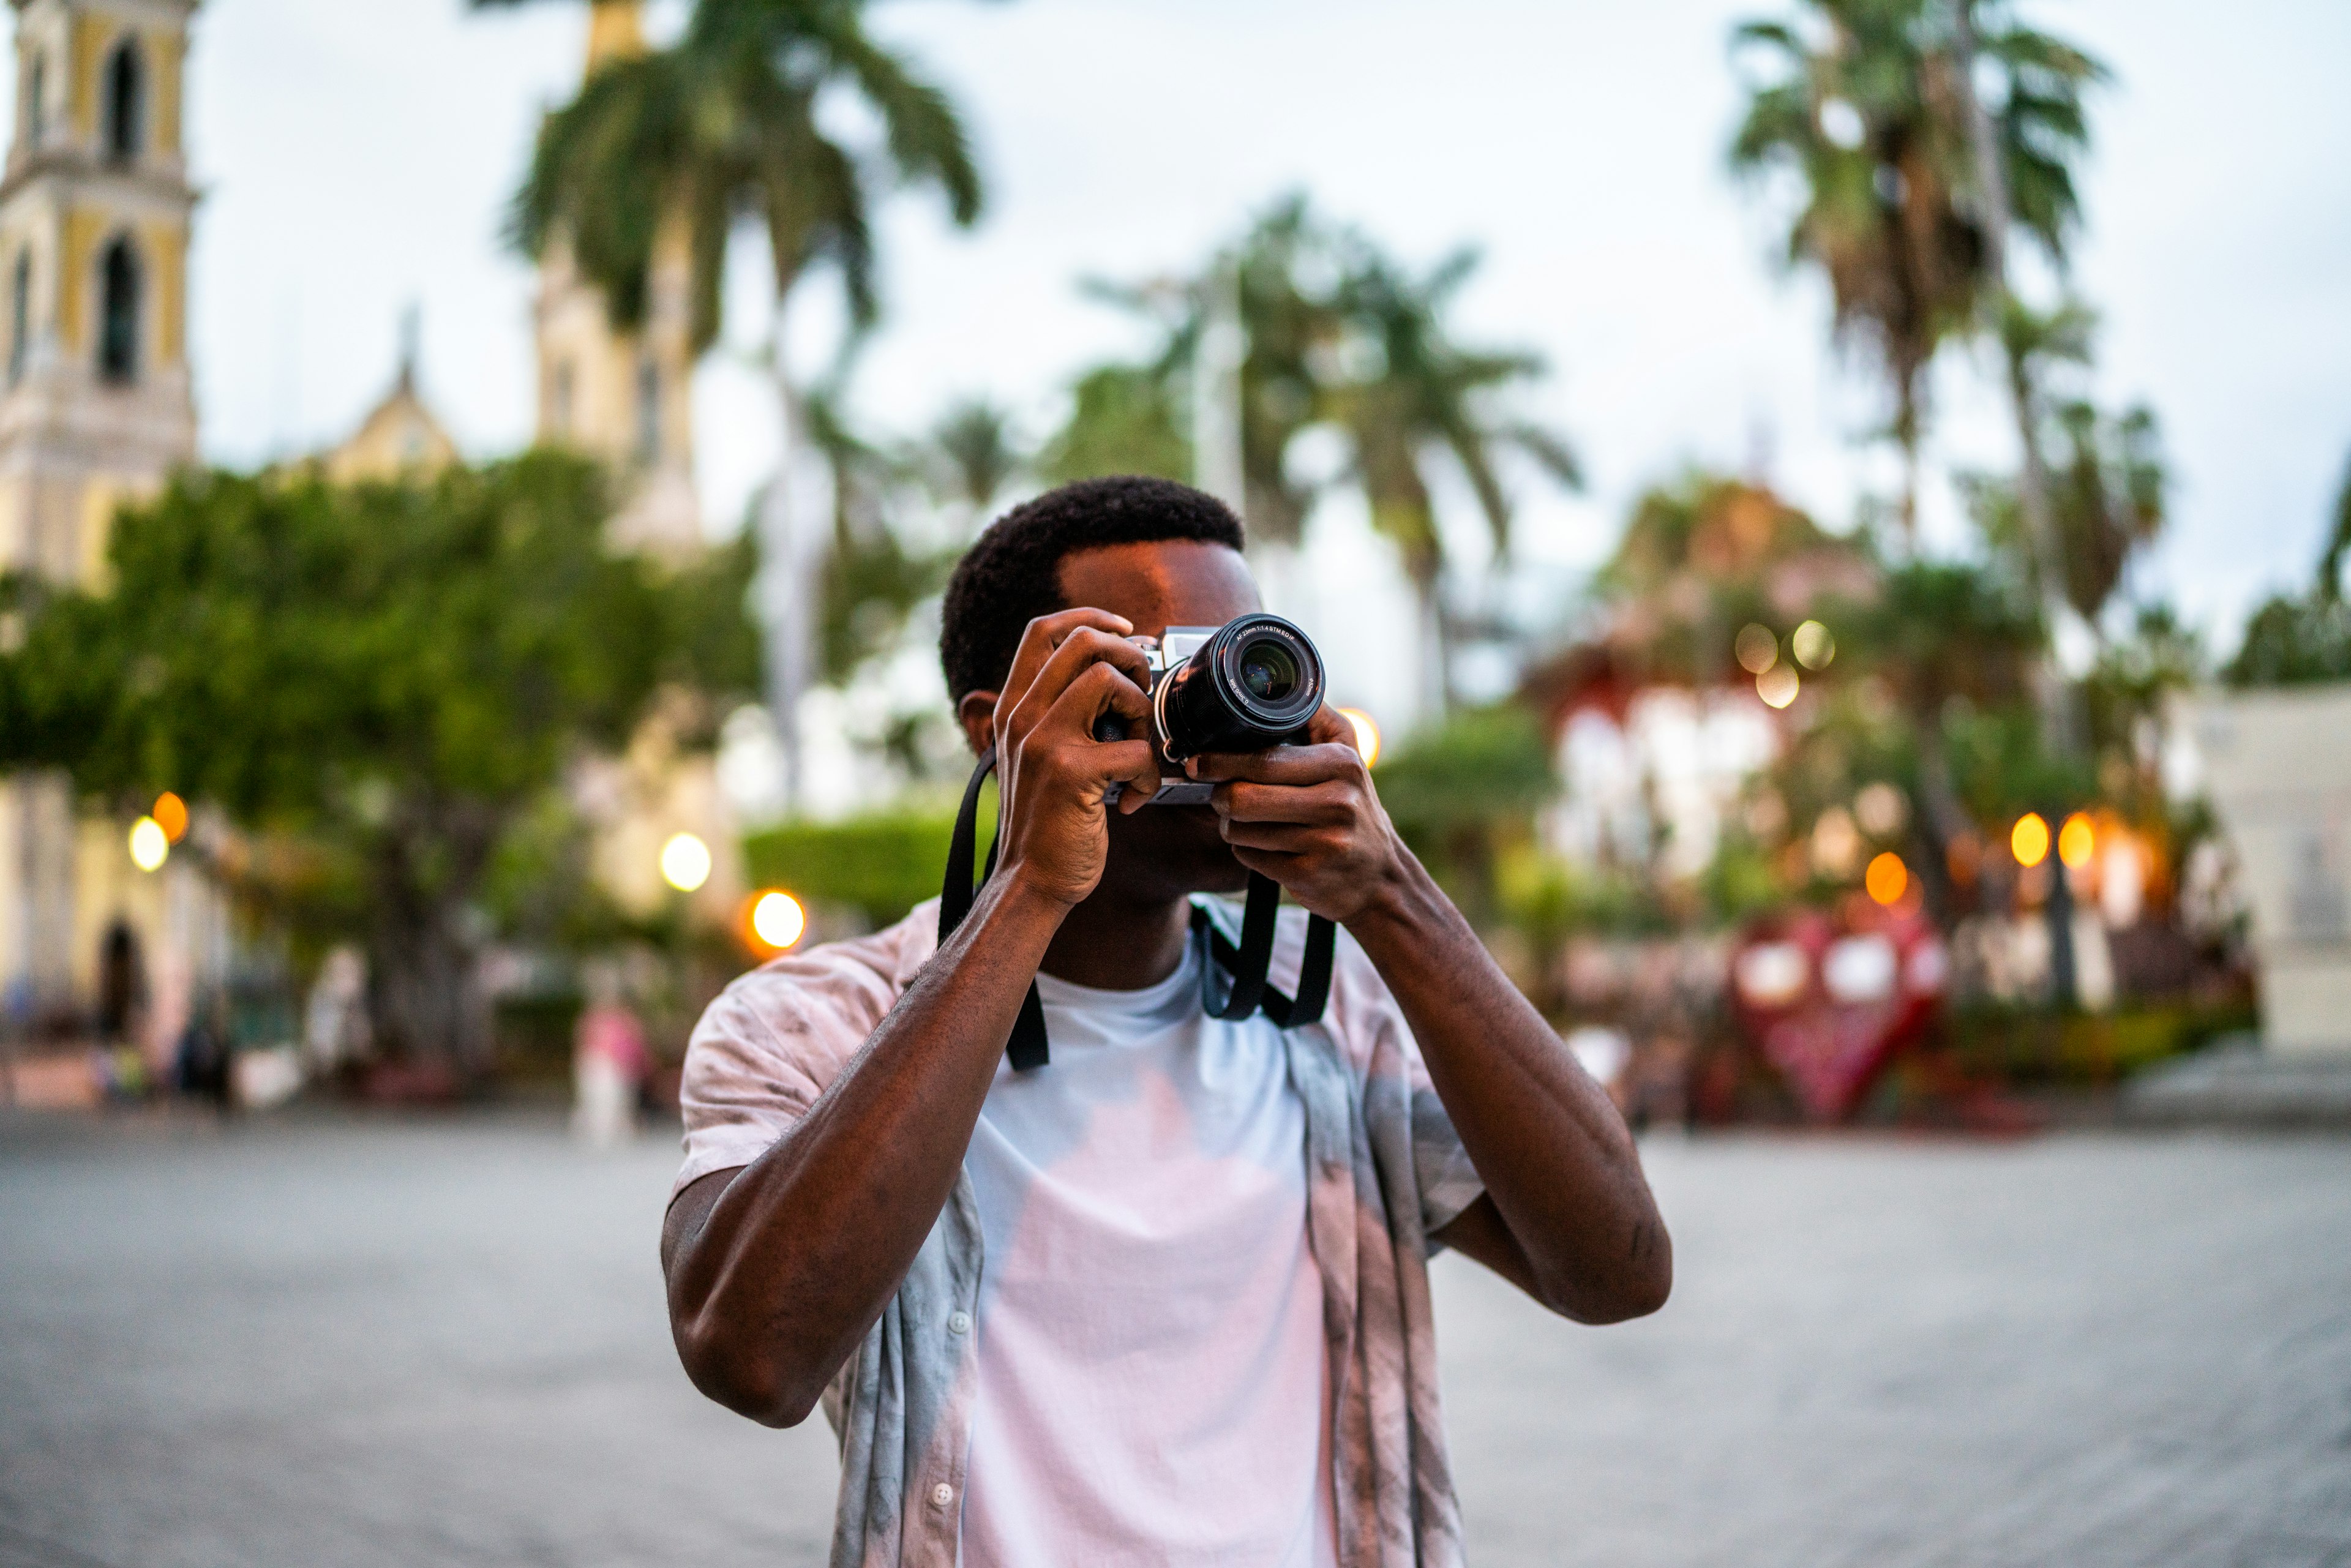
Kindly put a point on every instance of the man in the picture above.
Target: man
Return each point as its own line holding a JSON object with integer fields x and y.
{"x": 1164, "y": 1300}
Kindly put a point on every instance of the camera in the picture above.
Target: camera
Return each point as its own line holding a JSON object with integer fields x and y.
{"x": 1247, "y": 686}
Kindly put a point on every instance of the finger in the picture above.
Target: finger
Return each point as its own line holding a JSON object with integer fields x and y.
{"x": 1282, "y": 765}
{"x": 1329, "y": 725}
{"x": 1038, "y": 641}
{"x": 1086, "y": 648}
{"x": 1330, "y": 805}
{"x": 1282, "y": 837}
{"x": 1280, "y": 866}
{"x": 1102, "y": 688}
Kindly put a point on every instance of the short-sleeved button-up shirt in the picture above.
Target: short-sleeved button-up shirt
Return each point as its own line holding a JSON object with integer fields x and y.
{"x": 1379, "y": 1145}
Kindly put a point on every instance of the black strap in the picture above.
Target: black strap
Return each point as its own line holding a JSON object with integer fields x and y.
{"x": 1313, "y": 970}
{"x": 1028, "y": 1048}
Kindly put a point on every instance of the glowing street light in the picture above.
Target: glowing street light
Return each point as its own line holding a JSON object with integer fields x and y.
{"x": 777, "y": 920}
{"x": 685, "y": 862}
{"x": 149, "y": 845}
{"x": 2077, "y": 840}
{"x": 171, "y": 814}
{"x": 1367, "y": 734}
{"x": 2028, "y": 840}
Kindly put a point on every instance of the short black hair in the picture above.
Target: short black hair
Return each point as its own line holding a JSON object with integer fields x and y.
{"x": 1013, "y": 573}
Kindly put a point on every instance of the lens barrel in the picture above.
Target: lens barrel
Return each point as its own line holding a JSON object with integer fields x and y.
{"x": 1254, "y": 685}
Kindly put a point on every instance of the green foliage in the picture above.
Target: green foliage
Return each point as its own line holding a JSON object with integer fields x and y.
{"x": 1338, "y": 333}
{"x": 1465, "y": 793}
{"x": 1480, "y": 765}
{"x": 1862, "y": 110}
{"x": 881, "y": 865}
{"x": 377, "y": 684}
{"x": 686, "y": 140}
{"x": 2294, "y": 642}
{"x": 1123, "y": 419}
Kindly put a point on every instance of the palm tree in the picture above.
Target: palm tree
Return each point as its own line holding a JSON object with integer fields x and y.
{"x": 1872, "y": 114}
{"x": 679, "y": 145}
{"x": 2338, "y": 545}
{"x": 1267, "y": 278}
{"x": 2103, "y": 476}
{"x": 1404, "y": 389}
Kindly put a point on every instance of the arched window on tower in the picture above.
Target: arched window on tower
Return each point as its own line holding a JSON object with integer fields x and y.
{"x": 36, "y": 101}
{"x": 126, "y": 101}
{"x": 118, "y": 289}
{"x": 649, "y": 411}
{"x": 20, "y": 316}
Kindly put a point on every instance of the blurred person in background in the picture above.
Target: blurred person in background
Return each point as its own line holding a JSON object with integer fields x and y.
{"x": 609, "y": 1062}
{"x": 1166, "y": 1298}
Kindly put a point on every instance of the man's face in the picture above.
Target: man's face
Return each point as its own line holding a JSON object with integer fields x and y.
{"x": 1164, "y": 852}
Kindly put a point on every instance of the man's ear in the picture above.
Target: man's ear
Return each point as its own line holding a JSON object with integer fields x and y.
{"x": 976, "y": 713}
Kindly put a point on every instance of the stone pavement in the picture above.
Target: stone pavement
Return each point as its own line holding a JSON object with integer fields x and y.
{"x": 319, "y": 1342}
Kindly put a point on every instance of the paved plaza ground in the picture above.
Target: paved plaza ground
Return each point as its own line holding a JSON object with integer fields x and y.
{"x": 314, "y": 1342}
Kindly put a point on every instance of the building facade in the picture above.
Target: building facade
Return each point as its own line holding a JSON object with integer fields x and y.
{"x": 625, "y": 398}
{"x": 96, "y": 410}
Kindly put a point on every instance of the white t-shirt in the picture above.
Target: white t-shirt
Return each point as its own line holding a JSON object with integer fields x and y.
{"x": 1153, "y": 1381}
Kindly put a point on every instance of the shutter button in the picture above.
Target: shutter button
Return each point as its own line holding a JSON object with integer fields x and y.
{"x": 958, "y": 1321}
{"x": 942, "y": 1495}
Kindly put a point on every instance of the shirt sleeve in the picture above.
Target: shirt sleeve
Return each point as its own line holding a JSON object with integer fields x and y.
{"x": 772, "y": 1043}
{"x": 1363, "y": 1006}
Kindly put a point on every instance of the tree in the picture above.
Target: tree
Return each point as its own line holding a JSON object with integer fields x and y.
{"x": 1336, "y": 333}
{"x": 1872, "y": 116}
{"x": 1413, "y": 389}
{"x": 1123, "y": 417}
{"x": 679, "y": 145}
{"x": 2103, "y": 476}
{"x": 376, "y": 684}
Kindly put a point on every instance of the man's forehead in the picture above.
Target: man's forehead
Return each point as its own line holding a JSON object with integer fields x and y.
{"x": 1170, "y": 582}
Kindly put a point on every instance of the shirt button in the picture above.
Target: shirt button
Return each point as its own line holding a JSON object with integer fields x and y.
{"x": 959, "y": 1323}
{"x": 942, "y": 1495}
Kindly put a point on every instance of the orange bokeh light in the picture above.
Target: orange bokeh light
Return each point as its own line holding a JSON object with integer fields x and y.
{"x": 1367, "y": 734}
{"x": 1887, "y": 878}
{"x": 772, "y": 922}
{"x": 2028, "y": 840}
{"x": 171, "y": 814}
{"x": 2077, "y": 840}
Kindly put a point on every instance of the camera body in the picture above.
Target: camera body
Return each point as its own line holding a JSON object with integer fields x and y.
{"x": 1248, "y": 686}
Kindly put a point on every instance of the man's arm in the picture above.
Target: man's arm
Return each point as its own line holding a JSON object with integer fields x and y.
{"x": 1567, "y": 1215}
{"x": 776, "y": 1270}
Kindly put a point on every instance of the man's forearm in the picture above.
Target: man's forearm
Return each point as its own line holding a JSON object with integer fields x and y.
{"x": 1555, "y": 1157}
{"x": 790, "y": 1264}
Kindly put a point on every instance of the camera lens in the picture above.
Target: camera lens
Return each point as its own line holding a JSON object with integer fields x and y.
{"x": 1268, "y": 671}
{"x": 1251, "y": 686}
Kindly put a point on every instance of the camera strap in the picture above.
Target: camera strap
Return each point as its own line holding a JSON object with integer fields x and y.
{"x": 1248, "y": 963}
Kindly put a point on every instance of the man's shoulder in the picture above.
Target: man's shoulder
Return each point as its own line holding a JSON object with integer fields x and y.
{"x": 823, "y": 991}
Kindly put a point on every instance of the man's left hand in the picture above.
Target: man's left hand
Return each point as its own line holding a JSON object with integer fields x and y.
{"x": 1308, "y": 817}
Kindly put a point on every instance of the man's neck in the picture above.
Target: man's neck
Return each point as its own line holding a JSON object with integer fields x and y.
{"x": 1119, "y": 945}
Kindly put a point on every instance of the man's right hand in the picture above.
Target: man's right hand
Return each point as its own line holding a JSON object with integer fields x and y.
{"x": 1072, "y": 667}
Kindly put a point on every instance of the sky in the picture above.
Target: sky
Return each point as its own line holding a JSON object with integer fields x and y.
{"x": 355, "y": 159}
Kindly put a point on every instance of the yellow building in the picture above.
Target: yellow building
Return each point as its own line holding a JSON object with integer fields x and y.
{"x": 95, "y": 409}
{"x": 400, "y": 437}
{"x": 625, "y": 398}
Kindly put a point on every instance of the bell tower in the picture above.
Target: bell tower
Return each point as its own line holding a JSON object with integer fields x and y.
{"x": 625, "y": 398}
{"x": 95, "y": 406}
{"x": 95, "y": 403}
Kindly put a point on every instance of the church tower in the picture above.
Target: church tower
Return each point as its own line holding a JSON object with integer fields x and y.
{"x": 625, "y": 399}
{"x": 95, "y": 406}
{"x": 95, "y": 403}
